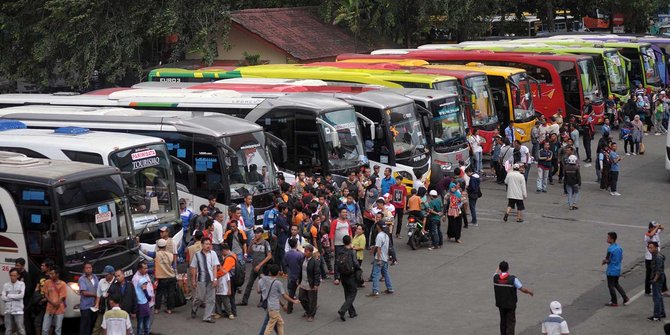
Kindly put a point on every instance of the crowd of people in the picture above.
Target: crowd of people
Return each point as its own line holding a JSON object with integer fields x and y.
{"x": 321, "y": 230}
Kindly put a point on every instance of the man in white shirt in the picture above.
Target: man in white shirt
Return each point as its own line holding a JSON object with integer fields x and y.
{"x": 475, "y": 144}
{"x": 12, "y": 294}
{"x": 297, "y": 237}
{"x": 380, "y": 266}
{"x": 524, "y": 157}
{"x": 116, "y": 321}
{"x": 554, "y": 324}
{"x": 101, "y": 296}
{"x": 203, "y": 273}
{"x": 217, "y": 236}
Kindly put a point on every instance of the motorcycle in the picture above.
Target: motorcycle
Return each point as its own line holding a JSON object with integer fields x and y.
{"x": 415, "y": 233}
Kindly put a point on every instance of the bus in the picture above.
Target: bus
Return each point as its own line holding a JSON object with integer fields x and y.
{"x": 642, "y": 59}
{"x": 512, "y": 95}
{"x": 400, "y": 137}
{"x": 217, "y": 155}
{"x": 506, "y": 83}
{"x": 475, "y": 89}
{"x": 562, "y": 92}
{"x": 69, "y": 212}
{"x": 177, "y": 75}
{"x": 611, "y": 67}
{"x": 144, "y": 163}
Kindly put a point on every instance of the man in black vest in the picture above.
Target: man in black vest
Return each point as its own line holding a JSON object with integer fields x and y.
{"x": 505, "y": 287}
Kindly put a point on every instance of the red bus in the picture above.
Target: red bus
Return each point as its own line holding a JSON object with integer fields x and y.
{"x": 480, "y": 110}
{"x": 559, "y": 76}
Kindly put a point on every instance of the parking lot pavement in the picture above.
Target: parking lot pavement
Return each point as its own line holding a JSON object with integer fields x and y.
{"x": 555, "y": 252}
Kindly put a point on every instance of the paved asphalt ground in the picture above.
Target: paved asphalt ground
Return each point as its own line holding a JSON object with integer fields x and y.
{"x": 555, "y": 252}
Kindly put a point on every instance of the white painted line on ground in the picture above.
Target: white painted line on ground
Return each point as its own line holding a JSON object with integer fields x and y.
{"x": 636, "y": 296}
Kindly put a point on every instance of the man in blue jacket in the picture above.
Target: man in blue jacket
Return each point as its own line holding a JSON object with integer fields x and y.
{"x": 613, "y": 260}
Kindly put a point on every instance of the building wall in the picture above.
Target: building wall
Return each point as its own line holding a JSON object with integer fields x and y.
{"x": 241, "y": 41}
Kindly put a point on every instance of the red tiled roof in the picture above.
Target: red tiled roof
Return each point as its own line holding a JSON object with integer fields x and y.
{"x": 297, "y": 31}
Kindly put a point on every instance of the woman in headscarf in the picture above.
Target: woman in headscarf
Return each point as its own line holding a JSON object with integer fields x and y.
{"x": 638, "y": 133}
{"x": 453, "y": 201}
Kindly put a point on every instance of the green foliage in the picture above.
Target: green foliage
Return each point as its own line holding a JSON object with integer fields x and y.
{"x": 251, "y": 59}
{"x": 70, "y": 40}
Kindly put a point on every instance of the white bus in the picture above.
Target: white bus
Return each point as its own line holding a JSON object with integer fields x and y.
{"x": 216, "y": 155}
{"x": 144, "y": 163}
{"x": 321, "y": 132}
{"x": 69, "y": 212}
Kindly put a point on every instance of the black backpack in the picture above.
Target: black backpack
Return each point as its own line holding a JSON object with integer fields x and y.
{"x": 344, "y": 263}
{"x": 238, "y": 274}
{"x": 305, "y": 230}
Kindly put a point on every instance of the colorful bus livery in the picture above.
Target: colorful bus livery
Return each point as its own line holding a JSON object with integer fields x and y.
{"x": 177, "y": 75}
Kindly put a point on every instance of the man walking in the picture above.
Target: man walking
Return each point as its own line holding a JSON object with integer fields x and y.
{"x": 203, "y": 269}
{"x": 399, "y": 201}
{"x": 474, "y": 193}
{"x": 516, "y": 193}
{"x": 544, "y": 167}
{"x": 309, "y": 281}
{"x": 613, "y": 260}
{"x": 349, "y": 283}
{"x": 261, "y": 254}
{"x": 271, "y": 290}
{"x": 380, "y": 266}
{"x": 292, "y": 262}
{"x": 339, "y": 228}
{"x": 12, "y": 295}
{"x": 658, "y": 278}
{"x": 555, "y": 324}
{"x": 505, "y": 286}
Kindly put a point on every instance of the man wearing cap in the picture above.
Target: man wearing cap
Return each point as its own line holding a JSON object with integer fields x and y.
{"x": 169, "y": 243}
{"x": 554, "y": 324}
{"x": 166, "y": 276}
{"x": 505, "y": 286}
{"x": 261, "y": 254}
{"x": 434, "y": 210}
{"x": 516, "y": 193}
{"x": 101, "y": 297}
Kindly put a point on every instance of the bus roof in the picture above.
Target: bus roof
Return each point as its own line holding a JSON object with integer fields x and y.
{"x": 209, "y": 73}
{"x": 336, "y": 74}
{"x": 423, "y": 94}
{"x": 16, "y": 167}
{"x": 375, "y": 99}
{"x": 97, "y": 141}
{"x": 212, "y": 124}
{"x": 489, "y": 70}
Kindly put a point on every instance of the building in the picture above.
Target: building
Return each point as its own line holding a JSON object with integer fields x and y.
{"x": 283, "y": 35}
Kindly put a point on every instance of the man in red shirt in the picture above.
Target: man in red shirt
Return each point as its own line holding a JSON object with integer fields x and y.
{"x": 398, "y": 193}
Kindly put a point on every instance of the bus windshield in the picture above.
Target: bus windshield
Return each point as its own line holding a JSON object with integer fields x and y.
{"x": 649, "y": 65}
{"x": 149, "y": 182}
{"x": 589, "y": 79}
{"x": 617, "y": 73}
{"x": 406, "y": 131}
{"x": 484, "y": 112}
{"x": 93, "y": 216}
{"x": 448, "y": 120}
{"x": 449, "y": 86}
{"x": 252, "y": 170}
{"x": 350, "y": 152}
{"x": 523, "y": 106}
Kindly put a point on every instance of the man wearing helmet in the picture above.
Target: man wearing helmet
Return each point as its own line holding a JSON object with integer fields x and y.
{"x": 573, "y": 181}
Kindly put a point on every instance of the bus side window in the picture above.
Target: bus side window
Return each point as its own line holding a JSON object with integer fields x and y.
{"x": 27, "y": 152}
{"x": 3, "y": 221}
{"x": 84, "y": 157}
{"x": 281, "y": 123}
{"x": 373, "y": 149}
{"x": 307, "y": 137}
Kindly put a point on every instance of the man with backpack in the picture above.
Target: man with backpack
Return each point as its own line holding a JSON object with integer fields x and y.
{"x": 261, "y": 254}
{"x": 308, "y": 229}
{"x": 348, "y": 267}
{"x": 474, "y": 193}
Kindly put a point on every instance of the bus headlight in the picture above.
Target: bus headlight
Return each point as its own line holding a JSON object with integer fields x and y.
{"x": 74, "y": 286}
{"x": 520, "y": 131}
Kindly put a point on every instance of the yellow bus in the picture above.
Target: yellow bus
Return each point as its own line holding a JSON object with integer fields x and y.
{"x": 513, "y": 96}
